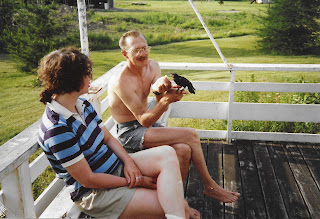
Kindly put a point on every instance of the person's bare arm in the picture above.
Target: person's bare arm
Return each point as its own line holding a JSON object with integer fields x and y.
{"x": 131, "y": 171}
{"x": 132, "y": 101}
{"x": 82, "y": 172}
{"x": 126, "y": 90}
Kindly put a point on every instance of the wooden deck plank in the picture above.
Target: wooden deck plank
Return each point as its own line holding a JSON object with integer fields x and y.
{"x": 272, "y": 196}
{"x": 194, "y": 188}
{"x": 307, "y": 185}
{"x": 232, "y": 181}
{"x": 212, "y": 207}
{"x": 312, "y": 159}
{"x": 292, "y": 198}
{"x": 252, "y": 194}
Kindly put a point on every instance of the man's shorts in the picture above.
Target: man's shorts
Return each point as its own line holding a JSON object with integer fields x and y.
{"x": 131, "y": 135}
{"x": 106, "y": 203}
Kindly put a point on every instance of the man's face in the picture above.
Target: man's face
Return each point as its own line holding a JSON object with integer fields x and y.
{"x": 138, "y": 51}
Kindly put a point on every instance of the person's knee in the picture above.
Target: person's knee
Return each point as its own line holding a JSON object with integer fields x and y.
{"x": 183, "y": 151}
{"x": 192, "y": 136}
{"x": 169, "y": 156}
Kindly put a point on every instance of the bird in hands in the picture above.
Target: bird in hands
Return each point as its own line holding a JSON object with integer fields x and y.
{"x": 183, "y": 82}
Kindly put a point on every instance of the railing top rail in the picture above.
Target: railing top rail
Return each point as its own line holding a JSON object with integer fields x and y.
{"x": 18, "y": 149}
{"x": 240, "y": 66}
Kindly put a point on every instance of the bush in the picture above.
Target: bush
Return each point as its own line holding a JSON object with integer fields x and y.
{"x": 101, "y": 41}
{"x": 38, "y": 30}
{"x": 290, "y": 27}
{"x": 6, "y": 10}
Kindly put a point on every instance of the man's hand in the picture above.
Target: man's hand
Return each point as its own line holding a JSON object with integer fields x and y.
{"x": 161, "y": 85}
{"x": 174, "y": 94}
{"x": 133, "y": 174}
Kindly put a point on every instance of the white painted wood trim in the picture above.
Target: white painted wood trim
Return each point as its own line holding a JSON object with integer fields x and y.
{"x": 276, "y": 112}
{"x": 105, "y": 104}
{"x": 59, "y": 206}
{"x": 1, "y": 196}
{"x": 278, "y": 87}
{"x": 230, "y": 107}
{"x": 17, "y": 194}
{"x": 239, "y": 67}
{"x": 211, "y": 86}
{"x": 213, "y": 134}
{"x": 48, "y": 195}
{"x": 199, "y": 110}
{"x": 37, "y": 166}
{"x": 276, "y": 136}
{"x": 83, "y": 26}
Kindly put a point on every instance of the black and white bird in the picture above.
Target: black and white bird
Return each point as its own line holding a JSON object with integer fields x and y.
{"x": 183, "y": 82}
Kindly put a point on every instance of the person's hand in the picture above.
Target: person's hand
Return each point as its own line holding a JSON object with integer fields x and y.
{"x": 162, "y": 85}
{"x": 149, "y": 182}
{"x": 175, "y": 94}
{"x": 133, "y": 174}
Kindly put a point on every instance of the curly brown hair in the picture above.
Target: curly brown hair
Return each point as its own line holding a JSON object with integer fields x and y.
{"x": 62, "y": 71}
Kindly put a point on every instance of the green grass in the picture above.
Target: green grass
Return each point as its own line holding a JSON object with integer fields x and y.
{"x": 20, "y": 107}
{"x": 173, "y": 21}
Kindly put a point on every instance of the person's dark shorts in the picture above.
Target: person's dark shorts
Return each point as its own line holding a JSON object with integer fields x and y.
{"x": 131, "y": 135}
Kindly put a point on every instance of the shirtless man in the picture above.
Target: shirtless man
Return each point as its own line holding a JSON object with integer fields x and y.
{"x": 136, "y": 125}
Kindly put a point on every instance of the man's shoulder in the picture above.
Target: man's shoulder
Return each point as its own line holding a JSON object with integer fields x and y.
{"x": 154, "y": 63}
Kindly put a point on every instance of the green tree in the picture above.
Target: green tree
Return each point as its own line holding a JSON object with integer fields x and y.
{"x": 7, "y": 9}
{"x": 39, "y": 29}
{"x": 291, "y": 27}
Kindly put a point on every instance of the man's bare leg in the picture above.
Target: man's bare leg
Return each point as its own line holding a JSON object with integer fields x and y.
{"x": 172, "y": 136}
{"x": 184, "y": 156}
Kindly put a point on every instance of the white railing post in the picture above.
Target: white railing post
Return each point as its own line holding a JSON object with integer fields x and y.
{"x": 17, "y": 193}
{"x": 231, "y": 95}
{"x": 96, "y": 103}
{"x": 83, "y": 26}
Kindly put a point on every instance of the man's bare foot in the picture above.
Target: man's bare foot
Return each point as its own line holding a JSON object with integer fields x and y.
{"x": 217, "y": 192}
{"x": 193, "y": 213}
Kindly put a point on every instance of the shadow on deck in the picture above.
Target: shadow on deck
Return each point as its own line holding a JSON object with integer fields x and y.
{"x": 276, "y": 180}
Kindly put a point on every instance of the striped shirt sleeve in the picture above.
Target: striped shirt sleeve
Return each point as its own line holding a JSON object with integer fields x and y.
{"x": 63, "y": 144}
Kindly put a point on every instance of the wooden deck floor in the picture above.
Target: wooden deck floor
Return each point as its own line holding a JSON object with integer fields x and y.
{"x": 276, "y": 180}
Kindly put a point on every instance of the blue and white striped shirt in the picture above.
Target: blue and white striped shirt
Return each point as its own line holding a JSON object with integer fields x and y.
{"x": 66, "y": 138}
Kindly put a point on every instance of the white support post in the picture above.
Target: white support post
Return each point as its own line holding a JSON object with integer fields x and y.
{"x": 96, "y": 103}
{"x": 231, "y": 95}
{"x": 17, "y": 193}
{"x": 83, "y": 27}
{"x": 208, "y": 32}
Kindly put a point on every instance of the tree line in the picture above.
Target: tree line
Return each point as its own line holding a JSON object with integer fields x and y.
{"x": 29, "y": 29}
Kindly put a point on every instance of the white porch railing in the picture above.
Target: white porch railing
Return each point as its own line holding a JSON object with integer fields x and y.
{"x": 16, "y": 174}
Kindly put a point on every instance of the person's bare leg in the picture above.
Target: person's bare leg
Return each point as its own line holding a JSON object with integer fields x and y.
{"x": 184, "y": 155}
{"x": 171, "y": 136}
{"x": 162, "y": 162}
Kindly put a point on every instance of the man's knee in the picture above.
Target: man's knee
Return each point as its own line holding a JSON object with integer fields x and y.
{"x": 192, "y": 136}
{"x": 183, "y": 151}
